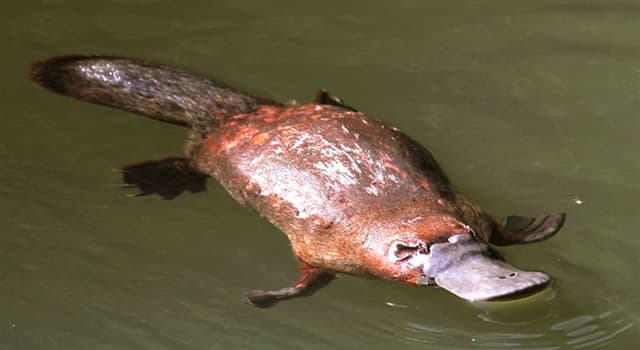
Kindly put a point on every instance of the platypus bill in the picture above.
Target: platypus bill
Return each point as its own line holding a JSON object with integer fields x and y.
{"x": 353, "y": 195}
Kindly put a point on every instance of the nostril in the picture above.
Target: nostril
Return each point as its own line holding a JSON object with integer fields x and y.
{"x": 511, "y": 275}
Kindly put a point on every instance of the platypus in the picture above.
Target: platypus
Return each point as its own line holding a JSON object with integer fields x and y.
{"x": 353, "y": 194}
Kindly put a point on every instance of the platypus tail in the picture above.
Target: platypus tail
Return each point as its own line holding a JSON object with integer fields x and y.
{"x": 160, "y": 92}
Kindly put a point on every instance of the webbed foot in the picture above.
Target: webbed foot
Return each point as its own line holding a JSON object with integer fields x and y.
{"x": 311, "y": 280}
{"x": 517, "y": 229}
{"x": 168, "y": 177}
{"x": 323, "y": 97}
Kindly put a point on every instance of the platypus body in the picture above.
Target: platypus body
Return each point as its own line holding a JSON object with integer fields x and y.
{"x": 353, "y": 194}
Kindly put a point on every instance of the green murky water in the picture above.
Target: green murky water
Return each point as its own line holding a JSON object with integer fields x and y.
{"x": 530, "y": 106}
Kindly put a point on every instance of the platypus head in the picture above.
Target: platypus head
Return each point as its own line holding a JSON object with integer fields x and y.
{"x": 466, "y": 266}
{"x": 469, "y": 269}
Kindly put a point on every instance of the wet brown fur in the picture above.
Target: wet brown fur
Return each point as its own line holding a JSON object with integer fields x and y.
{"x": 401, "y": 193}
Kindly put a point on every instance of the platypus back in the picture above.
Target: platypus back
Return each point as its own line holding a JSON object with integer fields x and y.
{"x": 160, "y": 92}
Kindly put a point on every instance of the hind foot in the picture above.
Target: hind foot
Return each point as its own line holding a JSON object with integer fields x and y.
{"x": 168, "y": 177}
{"x": 323, "y": 97}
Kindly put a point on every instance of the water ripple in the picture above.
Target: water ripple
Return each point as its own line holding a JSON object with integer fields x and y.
{"x": 589, "y": 332}
{"x": 581, "y": 332}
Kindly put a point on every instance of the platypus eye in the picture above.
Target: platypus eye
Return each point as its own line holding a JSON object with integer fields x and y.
{"x": 443, "y": 238}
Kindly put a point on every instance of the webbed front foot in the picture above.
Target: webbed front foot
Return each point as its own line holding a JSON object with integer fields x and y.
{"x": 517, "y": 229}
{"x": 311, "y": 280}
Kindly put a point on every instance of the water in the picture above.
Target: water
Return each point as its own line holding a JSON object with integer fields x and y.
{"x": 529, "y": 106}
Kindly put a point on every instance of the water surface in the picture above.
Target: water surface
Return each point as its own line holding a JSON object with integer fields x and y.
{"x": 529, "y": 106}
